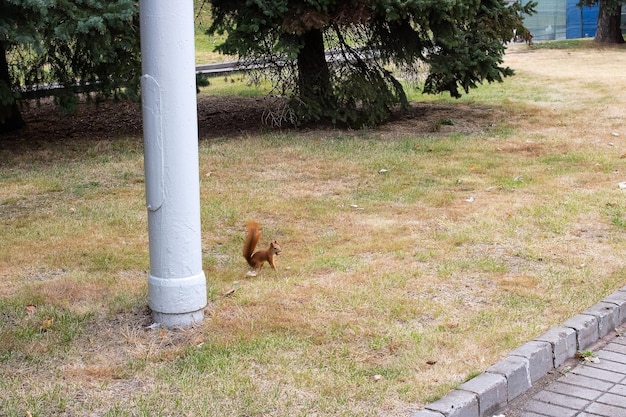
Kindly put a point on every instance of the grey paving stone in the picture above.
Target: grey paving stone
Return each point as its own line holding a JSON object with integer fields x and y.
{"x": 563, "y": 341}
{"x": 607, "y": 314}
{"x": 550, "y": 409}
{"x": 600, "y": 375}
{"x": 491, "y": 390}
{"x": 619, "y": 390}
{"x": 515, "y": 370}
{"x": 585, "y": 381}
{"x": 540, "y": 358}
{"x": 529, "y": 414}
{"x": 456, "y": 403}
{"x": 563, "y": 400}
{"x": 613, "y": 399}
{"x": 585, "y": 414}
{"x": 619, "y": 341}
{"x": 581, "y": 392}
{"x": 606, "y": 410}
{"x": 586, "y": 327}
{"x": 609, "y": 355}
{"x": 608, "y": 365}
{"x": 616, "y": 346}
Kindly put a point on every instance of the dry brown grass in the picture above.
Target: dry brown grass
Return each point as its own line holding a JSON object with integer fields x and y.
{"x": 392, "y": 287}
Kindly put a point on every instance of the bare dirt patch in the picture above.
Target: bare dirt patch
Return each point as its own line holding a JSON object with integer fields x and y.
{"x": 217, "y": 117}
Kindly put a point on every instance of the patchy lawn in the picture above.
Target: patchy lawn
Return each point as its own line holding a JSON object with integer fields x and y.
{"x": 415, "y": 255}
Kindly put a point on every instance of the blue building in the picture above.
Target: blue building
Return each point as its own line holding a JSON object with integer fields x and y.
{"x": 562, "y": 19}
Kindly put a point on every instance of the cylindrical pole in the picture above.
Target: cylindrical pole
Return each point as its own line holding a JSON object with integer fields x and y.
{"x": 176, "y": 284}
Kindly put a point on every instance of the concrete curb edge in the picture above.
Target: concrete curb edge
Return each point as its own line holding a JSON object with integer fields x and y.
{"x": 515, "y": 374}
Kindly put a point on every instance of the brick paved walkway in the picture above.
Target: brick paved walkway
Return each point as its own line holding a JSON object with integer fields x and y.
{"x": 594, "y": 388}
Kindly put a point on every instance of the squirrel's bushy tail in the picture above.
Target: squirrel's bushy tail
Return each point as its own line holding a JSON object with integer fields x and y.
{"x": 253, "y": 234}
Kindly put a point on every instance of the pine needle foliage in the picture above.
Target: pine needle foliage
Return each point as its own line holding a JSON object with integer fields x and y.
{"x": 81, "y": 45}
{"x": 333, "y": 57}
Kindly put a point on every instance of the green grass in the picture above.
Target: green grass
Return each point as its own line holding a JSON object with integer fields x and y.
{"x": 235, "y": 84}
{"x": 565, "y": 44}
{"x": 205, "y": 44}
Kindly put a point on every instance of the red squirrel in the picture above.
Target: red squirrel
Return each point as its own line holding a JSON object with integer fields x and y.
{"x": 258, "y": 258}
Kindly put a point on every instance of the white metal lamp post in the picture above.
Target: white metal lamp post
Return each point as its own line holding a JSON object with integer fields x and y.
{"x": 176, "y": 284}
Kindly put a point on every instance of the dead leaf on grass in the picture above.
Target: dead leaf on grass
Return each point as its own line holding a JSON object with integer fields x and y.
{"x": 46, "y": 324}
{"x": 229, "y": 292}
{"x": 30, "y": 309}
{"x": 199, "y": 341}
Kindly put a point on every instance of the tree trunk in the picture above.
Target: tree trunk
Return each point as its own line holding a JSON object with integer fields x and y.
{"x": 313, "y": 73}
{"x": 10, "y": 116}
{"x": 609, "y": 20}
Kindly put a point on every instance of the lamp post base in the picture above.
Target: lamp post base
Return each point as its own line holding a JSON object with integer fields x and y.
{"x": 177, "y": 302}
{"x": 172, "y": 321}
